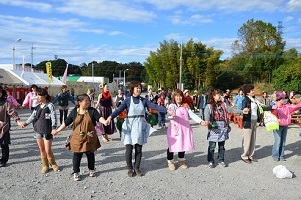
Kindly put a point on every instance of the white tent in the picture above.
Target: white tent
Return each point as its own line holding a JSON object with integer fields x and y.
{"x": 39, "y": 79}
{"x": 9, "y": 79}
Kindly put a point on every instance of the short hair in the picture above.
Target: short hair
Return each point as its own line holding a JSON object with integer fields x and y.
{"x": 133, "y": 85}
{"x": 177, "y": 92}
{"x": 64, "y": 87}
{"x": 246, "y": 88}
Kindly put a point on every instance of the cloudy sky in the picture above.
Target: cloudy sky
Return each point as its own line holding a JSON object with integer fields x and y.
{"x": 127, "y": 30}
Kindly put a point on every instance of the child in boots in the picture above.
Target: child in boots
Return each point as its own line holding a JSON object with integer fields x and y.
{"x": 44, "y": 122}
{"x": 179, "y": 131}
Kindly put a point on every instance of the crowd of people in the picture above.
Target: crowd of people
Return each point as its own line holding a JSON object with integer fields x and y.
{"x": 136, "y": 118}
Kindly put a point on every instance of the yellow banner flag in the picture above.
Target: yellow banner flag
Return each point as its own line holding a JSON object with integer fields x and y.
{"x": 49, "y": 71}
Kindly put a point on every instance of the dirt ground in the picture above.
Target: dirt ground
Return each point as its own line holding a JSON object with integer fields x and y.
{"x": 21, "y": 179}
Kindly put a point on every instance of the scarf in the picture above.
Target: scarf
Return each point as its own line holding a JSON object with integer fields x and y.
{"x": 106, "y": 95}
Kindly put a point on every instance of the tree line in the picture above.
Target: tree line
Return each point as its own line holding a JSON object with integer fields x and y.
{"x": 258, "y": 56}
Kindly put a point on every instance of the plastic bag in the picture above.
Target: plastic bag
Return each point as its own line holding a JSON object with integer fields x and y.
{"x": 281, "y": 172}
{"x": 270, "y": 121}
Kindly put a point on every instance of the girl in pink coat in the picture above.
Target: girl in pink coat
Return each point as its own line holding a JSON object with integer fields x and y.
{"x": 283, "y": 113}
{"x": 179, "y": 131}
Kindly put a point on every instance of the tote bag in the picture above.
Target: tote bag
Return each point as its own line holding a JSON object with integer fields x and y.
{"x": 270, "y": 121}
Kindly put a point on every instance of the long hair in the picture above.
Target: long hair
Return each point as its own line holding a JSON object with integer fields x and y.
{"x": 43, "y": 92}
{"x": 80, "y": 98}
{"x": 211, "y": 94}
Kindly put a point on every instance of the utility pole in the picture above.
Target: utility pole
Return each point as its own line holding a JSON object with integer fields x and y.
{"x": 32, "y": 48}
{"x": 180, "y": 73}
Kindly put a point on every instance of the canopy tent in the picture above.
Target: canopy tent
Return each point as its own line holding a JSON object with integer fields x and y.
{"x": 8, "y": 79}
{"x": 91, "y": 79}
{"x": 39, "y": 79}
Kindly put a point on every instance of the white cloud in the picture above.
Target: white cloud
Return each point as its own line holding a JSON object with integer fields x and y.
{"x": 288, "y": 18}
{"x": 223, "y": 44}
{"x": 28, "y": 4}
{"x": 294, "y": 5}
{"x": 225, "y": 5}
{"x": 111, "y": 10}
{"x": 96, "y": 31}
{"x": 115, "y": 33}
{"x": 176, "y": 37}
{"x": 193, "y": 20}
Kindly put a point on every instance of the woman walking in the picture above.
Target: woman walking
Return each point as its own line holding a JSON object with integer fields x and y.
{"x": 83, "y": 137}
{"x": 44, "y": 122}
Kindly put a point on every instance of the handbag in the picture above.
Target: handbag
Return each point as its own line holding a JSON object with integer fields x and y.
{"x": 270, "y": 121}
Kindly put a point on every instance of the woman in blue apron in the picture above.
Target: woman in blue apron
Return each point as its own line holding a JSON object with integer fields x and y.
{"x": 135, "y": 129}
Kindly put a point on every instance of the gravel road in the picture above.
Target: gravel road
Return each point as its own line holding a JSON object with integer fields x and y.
{"x": 21, "y": 179}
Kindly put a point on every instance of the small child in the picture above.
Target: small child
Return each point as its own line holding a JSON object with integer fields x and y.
{"x": 44, "y": 122}
{"x": 179, "y": 131}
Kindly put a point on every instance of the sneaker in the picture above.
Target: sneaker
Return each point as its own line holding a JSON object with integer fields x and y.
{"x": 130, "y": 173}
{"x": 138, "y": 172}
{"x": 76, "y": 177}
{"x": 211, "y": 165}
{"x": 223, "y": 164}
{"x": 92, "y": 173}
{"x": 282, "y": 159}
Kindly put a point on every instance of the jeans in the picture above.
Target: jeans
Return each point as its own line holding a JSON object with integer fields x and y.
{"x": 161, "y": 119}
{"x": 129, "y": 157}
{"x": 202, "y": 113}
{"x": 221, "y": 151}
{"x": 170, "y": 154}
{"x": 279, "y": 143}
{"x": 77, "y": 158}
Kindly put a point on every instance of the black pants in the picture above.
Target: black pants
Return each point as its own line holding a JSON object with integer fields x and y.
{"x": 128, "y": 155}
{"x": 170, "y": 154}
{"x": 5, "y": 153}
{"x": 63, "y": 113}
{"x": 77, "y": 158}
{"x": 221, "y": 151}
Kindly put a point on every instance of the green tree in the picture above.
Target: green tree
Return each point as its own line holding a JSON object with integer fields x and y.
{"x": 288, "y": 76}
{"x": 258, "y": 50}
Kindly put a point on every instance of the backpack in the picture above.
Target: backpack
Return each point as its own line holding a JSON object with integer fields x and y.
{"x": 64, "y": 98}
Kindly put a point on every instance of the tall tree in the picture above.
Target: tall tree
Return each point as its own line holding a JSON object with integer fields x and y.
{"x": 260, "y": 46}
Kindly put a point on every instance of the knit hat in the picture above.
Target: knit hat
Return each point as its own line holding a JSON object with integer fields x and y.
{"x": 185, "y": 91}
{"x": 279, "y": 96}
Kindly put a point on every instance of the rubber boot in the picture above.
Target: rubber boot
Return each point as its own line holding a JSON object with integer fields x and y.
{"x": 45, "y": 165}
{"x": 53, "y": 164}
